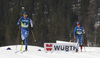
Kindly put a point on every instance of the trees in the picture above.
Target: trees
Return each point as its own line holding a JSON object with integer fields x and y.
{"x": 53, "y": 19}
{"x": 92, "y": 11}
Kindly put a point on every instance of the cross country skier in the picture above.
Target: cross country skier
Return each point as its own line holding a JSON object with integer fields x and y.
{"x": 78, "y": 32}
{"x": 24, "y": 20}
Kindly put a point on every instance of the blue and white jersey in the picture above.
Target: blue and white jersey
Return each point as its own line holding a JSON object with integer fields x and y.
{"x": 25, "y": 23}
{"x": 79, "y": 31}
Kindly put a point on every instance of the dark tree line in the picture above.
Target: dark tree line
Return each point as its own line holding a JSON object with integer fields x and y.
{"x": 53, "y": 20}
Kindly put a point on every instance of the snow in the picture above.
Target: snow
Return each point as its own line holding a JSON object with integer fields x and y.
{"x": 88, "y": 52}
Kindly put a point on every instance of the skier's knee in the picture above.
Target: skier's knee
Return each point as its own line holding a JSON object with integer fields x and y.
{"x": 81, "y": 45}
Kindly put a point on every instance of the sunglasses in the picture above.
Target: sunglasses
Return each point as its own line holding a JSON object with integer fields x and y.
{"x": 25, "y": 15}
{"x": 78, "y": 24}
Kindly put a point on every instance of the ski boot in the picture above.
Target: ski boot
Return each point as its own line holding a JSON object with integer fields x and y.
{"x": 81, "y": 47}
{"x": 26, "y": 48}
{"x": 76, "y": 50}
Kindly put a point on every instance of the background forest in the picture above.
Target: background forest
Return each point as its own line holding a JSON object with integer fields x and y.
{"x": 53, "y": 20}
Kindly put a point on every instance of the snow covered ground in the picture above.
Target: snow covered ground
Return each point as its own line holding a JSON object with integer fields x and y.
{"x": 91, "y": 52}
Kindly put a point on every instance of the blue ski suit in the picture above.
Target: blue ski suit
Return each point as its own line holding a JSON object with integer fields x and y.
{"x": 24, "y": 28}
{"x": 78, "y": 32}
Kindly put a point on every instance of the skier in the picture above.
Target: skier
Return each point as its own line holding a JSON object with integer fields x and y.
{"x": 24, "y": 20}
{"x": 78, "y": 33}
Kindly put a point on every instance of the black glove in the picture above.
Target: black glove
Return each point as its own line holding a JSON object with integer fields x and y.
{"x": 31, "y": 28}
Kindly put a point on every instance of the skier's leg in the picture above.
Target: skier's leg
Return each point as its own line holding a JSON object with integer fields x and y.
{"x": 77, "y": 46}
{"x": 81, "y": 43}
{"x": 26, "y": 39}
{"x": 23, "y": 38}
{"x": 22, "y": 34}
{"x": 26, "y": 43}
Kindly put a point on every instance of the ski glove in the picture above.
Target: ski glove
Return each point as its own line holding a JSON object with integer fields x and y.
{"x": 74, "y": 37}
{"x": 18, "y": 23}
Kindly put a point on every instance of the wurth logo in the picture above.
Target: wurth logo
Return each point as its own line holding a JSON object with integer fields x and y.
{"x": 58, "y": 47}
{"x": 48, "y": 47}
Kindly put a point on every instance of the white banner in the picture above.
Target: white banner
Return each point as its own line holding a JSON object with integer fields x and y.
{"x": 51, "y": 47}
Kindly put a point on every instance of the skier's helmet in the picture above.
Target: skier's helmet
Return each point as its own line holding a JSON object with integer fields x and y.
{"x": 78, "y": 23}
{"x": 25, "y": 13}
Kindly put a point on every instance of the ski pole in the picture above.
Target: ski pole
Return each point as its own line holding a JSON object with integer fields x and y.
{"x": 18, "y": 36}
{"x": 84, "y": 43}
{"x": 33, "y": 36}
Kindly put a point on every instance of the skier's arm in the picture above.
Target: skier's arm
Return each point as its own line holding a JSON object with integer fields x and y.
{"x": 83, "y": 31}
{"x": 31, "y": 23}
{"x": 18, "y": 23}
{"x": 74, "y": 31}
{"x": 75, "y": 34}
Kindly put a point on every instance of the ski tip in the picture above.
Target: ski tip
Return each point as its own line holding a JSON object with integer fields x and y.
{"x": 17, "y": 52}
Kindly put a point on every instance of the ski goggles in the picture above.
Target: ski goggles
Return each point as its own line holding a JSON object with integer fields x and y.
{"x": 25, "y": 15}
{"x": 78, "y": 24}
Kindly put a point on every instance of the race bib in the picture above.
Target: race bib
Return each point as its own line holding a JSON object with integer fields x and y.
{"x": 25, "y": 25}
{"x": 79, "y": 32}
